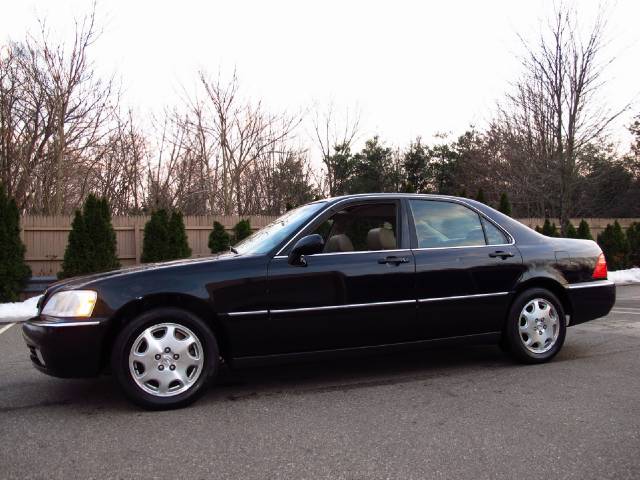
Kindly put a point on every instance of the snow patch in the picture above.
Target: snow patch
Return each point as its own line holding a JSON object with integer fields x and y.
{"x": 19, "y": 311}
{"x": 625, "y": 277}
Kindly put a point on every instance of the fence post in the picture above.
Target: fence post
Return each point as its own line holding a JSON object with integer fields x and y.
{"x": 136, "y": 240}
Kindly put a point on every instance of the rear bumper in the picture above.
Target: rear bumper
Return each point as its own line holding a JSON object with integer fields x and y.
{"x": 591, "y": 300}
{"x": 65, "y": 349}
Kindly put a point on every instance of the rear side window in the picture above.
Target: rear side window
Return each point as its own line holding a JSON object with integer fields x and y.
{"x": 446, "y": 224}
{"x": 494, "y": 234}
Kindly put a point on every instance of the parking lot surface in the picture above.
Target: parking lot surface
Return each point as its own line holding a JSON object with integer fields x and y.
{"x": 448, "y": 413}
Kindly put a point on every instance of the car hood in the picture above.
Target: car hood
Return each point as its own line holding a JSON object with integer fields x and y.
{"x": 87, "y": 280}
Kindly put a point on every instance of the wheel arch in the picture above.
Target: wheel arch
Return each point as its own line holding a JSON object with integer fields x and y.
{"x": 189, "y": 303}
{"x": 551, "y": 284}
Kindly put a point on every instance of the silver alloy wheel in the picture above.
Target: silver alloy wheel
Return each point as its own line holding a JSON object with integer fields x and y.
{"x": 539, "y": 325}
{"x": 166, "y": 359}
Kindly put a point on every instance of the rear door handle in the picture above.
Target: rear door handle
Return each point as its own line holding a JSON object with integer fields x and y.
{"x": 393, "y": 260}
{"x": 500, "y": 253}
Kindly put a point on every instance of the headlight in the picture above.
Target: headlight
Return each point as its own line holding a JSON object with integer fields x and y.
{"x": 72, "y": 303}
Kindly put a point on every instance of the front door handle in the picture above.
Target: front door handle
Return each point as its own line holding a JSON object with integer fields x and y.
{"x": 393, "y": 260}
{"x": 500, "y": 253}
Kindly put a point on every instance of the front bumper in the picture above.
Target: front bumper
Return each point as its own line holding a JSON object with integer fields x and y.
{"x": 67, "y": 349}
{"x": 591, "y": 300}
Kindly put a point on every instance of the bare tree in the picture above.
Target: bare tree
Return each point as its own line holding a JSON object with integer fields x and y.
{"x": 56, "y": 115}
{"x": 555, "y": 111}
{"x": 117, "y": 170}
{"x": 81, "y": 102}
{"x": 329, "y": 135}
{"x": 245, "y": 132}
{"x": 26, "y": 124}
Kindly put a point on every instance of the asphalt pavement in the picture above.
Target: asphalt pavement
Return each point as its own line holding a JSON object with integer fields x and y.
{"x": 450, "y": 413}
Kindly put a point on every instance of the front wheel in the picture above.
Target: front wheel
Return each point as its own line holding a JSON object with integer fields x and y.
{"x": 536, "y": 326}
{"x": 165, "y": 358}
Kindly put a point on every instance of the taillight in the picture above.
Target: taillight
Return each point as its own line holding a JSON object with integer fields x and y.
{"x": 600, "y": 272}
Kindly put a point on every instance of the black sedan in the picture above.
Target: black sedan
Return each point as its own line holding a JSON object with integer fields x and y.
{"x": 355, "y": 273}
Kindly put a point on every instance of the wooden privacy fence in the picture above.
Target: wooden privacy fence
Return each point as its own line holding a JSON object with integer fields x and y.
{"x": 597, "y": 225}
{"x": 46, "y": 236}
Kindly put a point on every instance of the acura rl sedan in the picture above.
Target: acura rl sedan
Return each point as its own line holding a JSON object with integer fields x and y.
{"x": 355, "y": 273}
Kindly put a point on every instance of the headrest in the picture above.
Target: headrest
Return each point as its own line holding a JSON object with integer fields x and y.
{"x": 339, "y": 243}
{"x": 381, "y": 239}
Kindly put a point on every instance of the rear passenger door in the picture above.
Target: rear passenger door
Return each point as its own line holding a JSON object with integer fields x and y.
{"x": 465, "y": 268}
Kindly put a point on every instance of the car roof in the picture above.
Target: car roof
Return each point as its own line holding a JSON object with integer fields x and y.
{"x": 395, "y": 195}
{"x": 391, "y": 194}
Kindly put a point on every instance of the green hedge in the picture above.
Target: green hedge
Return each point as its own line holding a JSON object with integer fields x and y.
{"x": 219, "y": 240}
{"x": 14, "y": 272}
{"x": 241, "y": 230}
{"x": 92, "y": 245}
{"x": 615, "y": 246}
{"x": 165, "y": 237}
{"x": 633, "y": 237}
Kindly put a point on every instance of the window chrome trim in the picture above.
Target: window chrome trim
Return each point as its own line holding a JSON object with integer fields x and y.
{"x": 464, "y": 246}
{"x": 595, "y": 283}
{"x": 40, "y": 323}
{"x": 351, "y": 253}
{"x": 461, "y": 297}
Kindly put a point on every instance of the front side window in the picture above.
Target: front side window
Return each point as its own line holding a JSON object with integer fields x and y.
{"x": 360, "y": 228}
{"x": 445, "y": 224}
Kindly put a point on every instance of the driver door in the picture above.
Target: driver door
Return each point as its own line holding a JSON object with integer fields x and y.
{"x": 358, "y": 292}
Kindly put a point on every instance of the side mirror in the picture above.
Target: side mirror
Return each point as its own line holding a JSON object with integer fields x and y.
{"x": 305, "y": 246}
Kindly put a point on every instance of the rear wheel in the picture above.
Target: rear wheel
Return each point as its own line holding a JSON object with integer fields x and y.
{"x": 165, "y": 358}
{"x": 536, "y": 326}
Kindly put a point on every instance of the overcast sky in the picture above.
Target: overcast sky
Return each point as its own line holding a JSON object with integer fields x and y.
{"x": 411, "y": 68}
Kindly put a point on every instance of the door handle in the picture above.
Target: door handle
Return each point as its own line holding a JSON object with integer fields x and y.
{"x": 500, "y": 253}
{"x": 393, "y": 260}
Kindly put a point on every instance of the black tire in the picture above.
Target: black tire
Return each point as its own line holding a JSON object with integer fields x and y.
{"x": 129, "y": 334}
{"x": 512, "y": 340}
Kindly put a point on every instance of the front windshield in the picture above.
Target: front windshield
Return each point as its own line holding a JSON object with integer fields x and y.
{"x": 270, "y": 236}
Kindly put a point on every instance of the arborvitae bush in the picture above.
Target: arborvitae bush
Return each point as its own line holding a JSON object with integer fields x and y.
{"x": 570, "y": 231}
{"x": 92, "y": 245}
{"x": 633, "y": 237}
{"x": 480, "y": 196}
{"x": 155, "y": 244}
{"x": 103, "y": 238}
{"x": 505, "y": 205}
{"x": 615, "y": 246}
{"x": 178, "y": 242}
{"x": 584, "y": 231}
{"x": 219, "y": 240}
{"x": 14, "y": 272}
{"x": 92, "y": 217}
{"x": 242, "y": 230}
{"x": 548, "y": 228}
{"x": 75, "y": 255}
